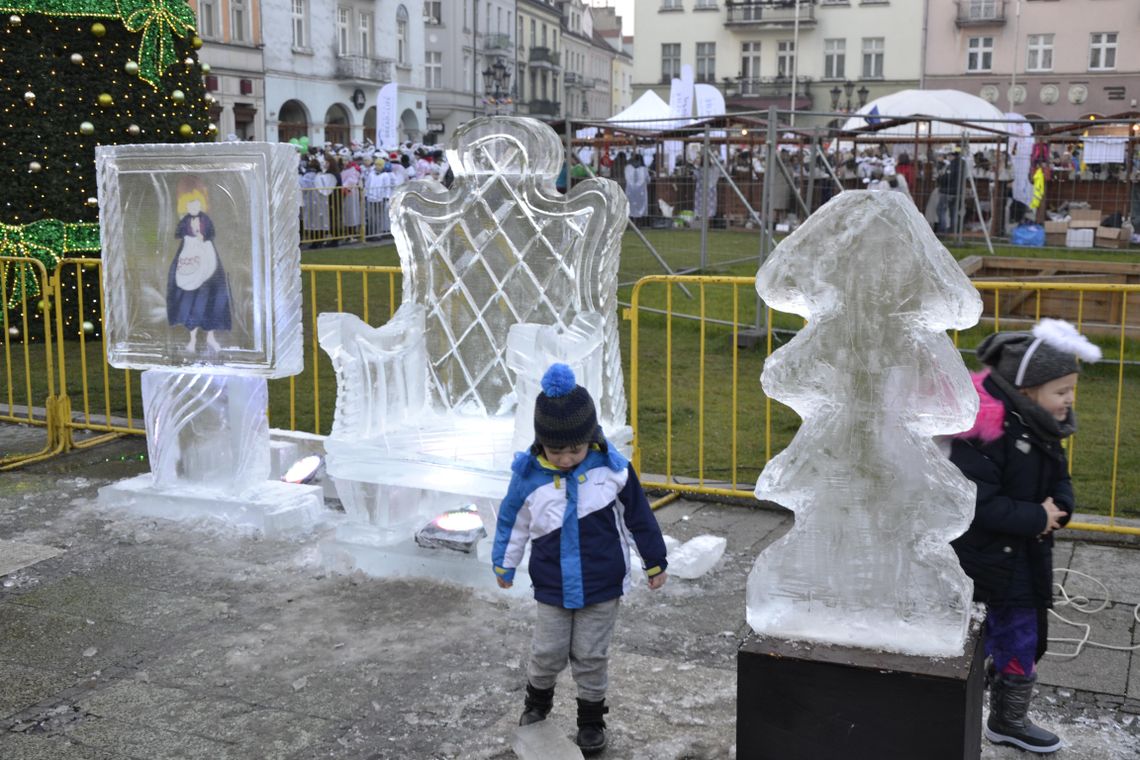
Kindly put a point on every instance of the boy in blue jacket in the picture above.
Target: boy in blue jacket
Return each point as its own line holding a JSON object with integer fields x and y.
{"x": 578, "y": 503}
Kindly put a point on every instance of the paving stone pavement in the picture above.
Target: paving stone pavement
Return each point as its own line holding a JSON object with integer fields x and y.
{"x": 154, "y": 640}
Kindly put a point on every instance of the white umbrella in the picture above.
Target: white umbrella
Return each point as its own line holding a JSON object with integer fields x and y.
{"x": 913, "y": 104}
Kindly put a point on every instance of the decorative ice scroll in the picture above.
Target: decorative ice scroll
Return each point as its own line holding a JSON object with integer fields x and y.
{"x": 874, "y": 376}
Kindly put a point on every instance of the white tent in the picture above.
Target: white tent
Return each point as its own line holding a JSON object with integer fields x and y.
{"x": 649, "y": 113}
{"x": 910, "y": 104}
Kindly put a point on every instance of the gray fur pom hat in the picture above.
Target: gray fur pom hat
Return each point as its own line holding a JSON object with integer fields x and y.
{"x": 1029, "y": 359}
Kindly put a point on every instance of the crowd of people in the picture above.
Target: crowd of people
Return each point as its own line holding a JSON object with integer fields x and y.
{"x": 345, "y": 190}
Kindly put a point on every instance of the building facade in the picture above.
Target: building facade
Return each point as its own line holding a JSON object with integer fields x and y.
{"x": 325, "y": 61}
{"x": 823, "y": 56}
{"x": 538, "y": 75}
{"x": 235, "y": 84}
{"x": 1049, "y": 59}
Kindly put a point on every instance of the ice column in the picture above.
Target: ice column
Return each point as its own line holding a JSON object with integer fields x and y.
{"x": 874, "y": 376}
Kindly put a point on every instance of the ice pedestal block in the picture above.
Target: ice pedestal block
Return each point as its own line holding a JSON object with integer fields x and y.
{"x": 875, "y": 377}
{"x": 544, "y": 740}
{"x": 274, "y": 508}
{"x": 206, "y": 432}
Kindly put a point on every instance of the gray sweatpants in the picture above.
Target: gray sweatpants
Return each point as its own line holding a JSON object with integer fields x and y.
{"x": 580, "y": 636}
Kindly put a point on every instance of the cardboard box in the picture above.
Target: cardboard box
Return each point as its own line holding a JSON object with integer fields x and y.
{"x": 1084, "y": 218}
{"x": 1055, "y": 239}
{"x": 1053, "y": 228}
{"x": 1081, "y": 238}
{"x": 1111, "y": 237}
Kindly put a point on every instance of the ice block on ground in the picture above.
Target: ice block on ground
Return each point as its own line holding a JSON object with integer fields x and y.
{"x": 544, "y": 741}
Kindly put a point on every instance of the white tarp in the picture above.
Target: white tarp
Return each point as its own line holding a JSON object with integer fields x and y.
{"x": 649, "y": 112}
{"x": 950, "y": 104}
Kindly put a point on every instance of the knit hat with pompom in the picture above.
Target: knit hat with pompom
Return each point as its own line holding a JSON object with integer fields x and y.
{"x": 564, "y": 413}
{"x": 1027, "y": 360}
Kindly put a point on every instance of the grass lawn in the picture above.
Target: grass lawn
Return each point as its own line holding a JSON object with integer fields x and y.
{"x": 711, "y": 433}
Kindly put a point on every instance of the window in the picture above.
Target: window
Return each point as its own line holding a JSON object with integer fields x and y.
{"x": 982, "y": 10}
{"x": 342, "y": 19}
{"x": 671, "y": 5}
{"x": 750, "y": 68}
{"x": 873, "y": 48}
{"x": 980, "y": 54}
{"x": 544, "y": 35}
{"x": 533, "y": 35}
{"x": 1039, "y": 53}
{"x": 300, "y": 16}
{"x": 834, "y": 58}
{"x": 670, "y": 61}
{"x": 208, "y": 18}
{"x": 402, "y": 35}
{"x": 433, "y": 11}
{"x": 706, "y": 62}
{"x": 705, "y": 4}
{"x": 433, "y": 70}
{"x": 364, "y": 28}
{"x": 1102, "y": 51}
{"x": 785, "y": 58}
{"x": 238, "y": 17}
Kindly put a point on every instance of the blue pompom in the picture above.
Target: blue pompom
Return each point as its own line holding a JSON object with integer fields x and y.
{"x": 558, "y": 381}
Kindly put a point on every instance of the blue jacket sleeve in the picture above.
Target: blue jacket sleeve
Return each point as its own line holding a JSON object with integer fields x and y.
{"x": 995, "y": 512}
{"x": 509, "y": 522}
{"x": 642, "y": 524}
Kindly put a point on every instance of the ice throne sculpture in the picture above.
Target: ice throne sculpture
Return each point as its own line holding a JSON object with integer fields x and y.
{"x": 502, "y": 275}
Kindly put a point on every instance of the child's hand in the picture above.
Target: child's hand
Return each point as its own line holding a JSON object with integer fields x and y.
{"x": 1053, "y": 515}
{"x": 657, "y": 581}
{"x": 503, "y": 584}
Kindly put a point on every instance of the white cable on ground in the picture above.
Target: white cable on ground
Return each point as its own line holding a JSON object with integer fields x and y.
{"x": 1084, "y": 605}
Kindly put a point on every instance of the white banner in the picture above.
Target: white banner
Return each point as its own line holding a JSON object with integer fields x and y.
{"x": 387, "y": 117}
{"x": 681, "y": 94}
{"x": 710, "y": 102}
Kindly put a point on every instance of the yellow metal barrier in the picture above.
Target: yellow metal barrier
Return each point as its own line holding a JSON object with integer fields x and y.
{"x": 673, "y": 407}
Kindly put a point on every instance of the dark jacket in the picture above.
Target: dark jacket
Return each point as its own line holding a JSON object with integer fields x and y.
{"x": 1015, "y": 470}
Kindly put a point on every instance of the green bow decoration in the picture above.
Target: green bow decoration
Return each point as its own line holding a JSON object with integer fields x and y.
{"x": 159, "y": 21}
{"x": 32, "y": 241}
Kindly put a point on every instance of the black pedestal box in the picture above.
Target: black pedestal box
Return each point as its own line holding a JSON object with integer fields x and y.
{"x": 804, "y": 701}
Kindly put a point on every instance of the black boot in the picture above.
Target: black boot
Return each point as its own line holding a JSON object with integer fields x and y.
{"x": 536, "y": 705}
{"x": 1009, "y": 723}
{"x": 591, "y": 726}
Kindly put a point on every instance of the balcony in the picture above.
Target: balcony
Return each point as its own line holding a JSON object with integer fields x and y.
{"x": 762, "y": 92}
{"x": 544, "y": 58}
{"x": 549, "y": 108}
{"x": 769, "y": 14}
{"x": 980, "y": 13}
{"x": 359, "y": 68}
{"x": 574, "y": 80}
{"x": 498, "y": 44}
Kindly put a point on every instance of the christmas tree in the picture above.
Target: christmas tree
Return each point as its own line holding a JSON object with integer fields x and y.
{"x": 75, "y": 74}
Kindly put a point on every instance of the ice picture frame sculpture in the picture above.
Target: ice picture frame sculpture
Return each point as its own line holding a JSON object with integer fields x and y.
{"x": 499, "y": 249}
{"x": 875, "y": 377}
{"x": 202, "y": 291}
{"x": 201, "y": 266}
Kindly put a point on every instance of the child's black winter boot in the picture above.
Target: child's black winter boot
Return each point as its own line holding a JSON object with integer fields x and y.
{"x": 591, "y": 726}
{"x": 536, "y": 705}
{"x": 1009, "y": 723}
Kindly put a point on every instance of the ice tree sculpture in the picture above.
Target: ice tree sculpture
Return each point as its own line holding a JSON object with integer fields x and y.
{"x": 875, "y": 377}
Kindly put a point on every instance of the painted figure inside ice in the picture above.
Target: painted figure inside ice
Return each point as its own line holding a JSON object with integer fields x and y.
{"x": 197, "y": 295}
{"x": 874, "y": 376}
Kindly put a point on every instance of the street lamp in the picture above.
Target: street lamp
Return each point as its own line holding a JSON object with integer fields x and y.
{"x": 847, "y": 91}
{"x": 496, "y": 77}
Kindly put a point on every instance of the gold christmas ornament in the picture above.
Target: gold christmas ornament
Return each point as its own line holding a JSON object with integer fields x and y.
{"x": 133, "y": 130}
{"x": 35, "y": 166}
{"x": 98, "y": 29}
{"x": 188, "y": 61}
{"x": 86, "y": 128}
{"x": 185, "y": 130}
{"x": 178, "y": 96}
{"x": 205, "y": 68}
{"x": 209, "y": 98}
{"x": 211, "y": 128}
{"x": 131, "y": 68}
{"x": 77, "y": 58}
{"x": 15, "y": 20}
{"x": 29, "y": 97}
{"x": 105, "y": 99}
{"x": 88, "y": 327}
{"x": 196, "y": 42}
{"x": 41, "y": 305}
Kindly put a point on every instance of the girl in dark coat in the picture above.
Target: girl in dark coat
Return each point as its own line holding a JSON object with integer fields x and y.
{"x": 1014, "y": 456}
{"x": 197, "y": 294}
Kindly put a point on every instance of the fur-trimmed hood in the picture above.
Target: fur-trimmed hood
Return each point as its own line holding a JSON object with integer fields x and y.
{"x": 990, "y": 422}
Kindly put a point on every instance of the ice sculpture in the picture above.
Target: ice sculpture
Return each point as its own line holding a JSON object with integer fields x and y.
{"x": 202, "y": 283}
{"x": 501, "y": 273}
{"x": 874, "y": 376}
